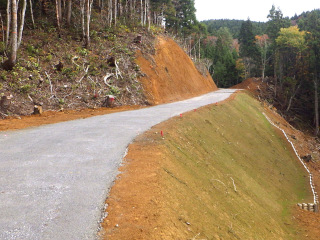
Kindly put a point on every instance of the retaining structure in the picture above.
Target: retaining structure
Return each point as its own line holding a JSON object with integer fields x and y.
{"x": 314, "y": 207}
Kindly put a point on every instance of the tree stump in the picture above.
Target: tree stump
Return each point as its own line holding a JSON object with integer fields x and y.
{"x": 109, "y": 101}
{"x": 111, "y": 61}
{"x": 37, "y": 110}
{"x": 5, "y": 101}
{"x": 138, "y": 39}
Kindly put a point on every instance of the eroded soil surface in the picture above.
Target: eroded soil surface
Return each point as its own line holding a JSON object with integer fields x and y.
{"x": 170, "y": 74}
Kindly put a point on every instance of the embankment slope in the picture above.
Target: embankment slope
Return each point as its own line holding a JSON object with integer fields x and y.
{"x": 221, "y": 172}
{"x": 170, "y": 74}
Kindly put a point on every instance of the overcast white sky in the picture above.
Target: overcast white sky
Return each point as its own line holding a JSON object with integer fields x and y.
{"x": 256, "y": 10}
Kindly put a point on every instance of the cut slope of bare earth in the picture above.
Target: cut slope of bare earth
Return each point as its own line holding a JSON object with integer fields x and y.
{"x": 170, "y": 74}
{"x": 222, "y": 172}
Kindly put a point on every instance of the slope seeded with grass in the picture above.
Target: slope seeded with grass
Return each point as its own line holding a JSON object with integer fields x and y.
{"x": 222, "y": 172}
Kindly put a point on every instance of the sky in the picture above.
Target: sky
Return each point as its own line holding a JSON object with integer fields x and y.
{"x": 256, "y": 10}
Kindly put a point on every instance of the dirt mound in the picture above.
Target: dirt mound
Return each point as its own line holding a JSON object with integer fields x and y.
{"x": 253, "y": 85}
{"x": 170, "y": 74}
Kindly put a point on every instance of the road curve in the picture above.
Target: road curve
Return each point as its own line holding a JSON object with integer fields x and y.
{"x": 54, "y": 179}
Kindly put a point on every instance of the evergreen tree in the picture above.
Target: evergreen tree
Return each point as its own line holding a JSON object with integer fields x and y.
{"x": 225, "y": 57}
{"x": 275, "y": 23}
{"x": 183, "y": 19}
{"x": 311, "y": 24}
{"x": 248, "y": 49}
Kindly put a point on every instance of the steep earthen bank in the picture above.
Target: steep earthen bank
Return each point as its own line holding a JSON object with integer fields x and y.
{"x": 220, "y": 172}
{"x": 170, "y": 74}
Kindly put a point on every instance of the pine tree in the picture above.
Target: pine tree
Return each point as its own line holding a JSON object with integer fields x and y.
{"x": 248, "y": 49}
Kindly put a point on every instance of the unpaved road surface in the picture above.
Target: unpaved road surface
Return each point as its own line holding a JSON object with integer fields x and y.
{"x": 54, "y": 179}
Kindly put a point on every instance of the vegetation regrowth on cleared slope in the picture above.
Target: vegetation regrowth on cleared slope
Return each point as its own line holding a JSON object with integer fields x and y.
{"x": 222, "y": 172}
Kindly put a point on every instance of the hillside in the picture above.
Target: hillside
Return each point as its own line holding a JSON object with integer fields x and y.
{"x": 221, "y": 172}
{"x": 69, "y": 55}
{"x": 170, "y": 75}
{"x": 234, "y": 26}
{"x": 151, "y": 74}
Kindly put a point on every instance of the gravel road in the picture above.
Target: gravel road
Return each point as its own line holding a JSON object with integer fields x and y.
{"x": 54, "y": 179}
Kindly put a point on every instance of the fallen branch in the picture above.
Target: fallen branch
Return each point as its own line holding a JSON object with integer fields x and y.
{"x": 51, "y": 87}
{"x": 117, "y": 70}
{"x": 234, "y": 185}
{"x": 30, "y": 98}
{"x": 195, "y": 237}
{"x": 106, "y": 77}
{"x": 72, "y": 59}
{"x": 85, "y": 73}
{"x": 219, "y": 182}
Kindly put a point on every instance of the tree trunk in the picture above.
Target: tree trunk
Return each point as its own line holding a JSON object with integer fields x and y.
{"x": 58, "y": 9}
{"x": 292, "y": 97}
{"x": 14, "y": 38}
{"x": 146, "y": 12}
{"x": 69, "y": 12}
{"x": 263, "y": 68}
{"x": 110, "y": 10}
{"x": 141, "y": 12}
{"x": 275, "y": 74}
{"x": 82, "y": 3}
{"x": 88, "y": 6}
{"x": 148, "y": 15}
{"x": 24, "y": 7}
{"x": 9, "y": 16}
{"x": 115, "y": 12}
{"x": 199, "y": 48}
{"x": 87, "y": 27}
{"x": 31, "y": 13}
{"x": 2, "y": 29}
{"x": 316, "y": 104}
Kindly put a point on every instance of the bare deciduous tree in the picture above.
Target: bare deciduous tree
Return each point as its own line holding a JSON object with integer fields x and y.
{"x": 86, "y": 7}
{"x": 23, "y": 14}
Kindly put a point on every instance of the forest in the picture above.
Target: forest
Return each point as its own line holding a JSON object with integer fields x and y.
{"x": 177, "y": 15}
{"x": 233, "y": 25}
{"x": 284, "y": 51}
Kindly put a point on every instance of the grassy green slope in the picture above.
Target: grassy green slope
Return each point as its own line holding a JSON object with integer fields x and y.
{"x": 208, "y": 149}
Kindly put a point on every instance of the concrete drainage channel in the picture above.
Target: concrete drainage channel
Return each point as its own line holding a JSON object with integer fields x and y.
{"x": 312, "y": 207}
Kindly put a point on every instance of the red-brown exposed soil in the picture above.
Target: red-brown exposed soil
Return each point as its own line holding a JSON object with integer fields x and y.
{"x": 253, "y": 85}
{"x": 48, "y": 117}
{"x": 134, "y": 203}
{"x": 170, "y": 74}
